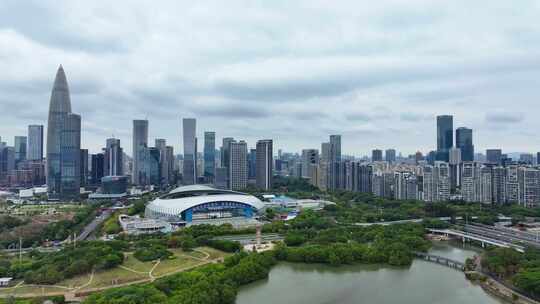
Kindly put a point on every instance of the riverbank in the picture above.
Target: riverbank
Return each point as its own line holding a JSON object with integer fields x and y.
{"x": 499, "y": 289}
{"x": 380, "y": 284}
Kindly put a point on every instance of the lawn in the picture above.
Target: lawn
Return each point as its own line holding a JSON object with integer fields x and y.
{"x": 114, "y": 276}
{"x": 24, "y": 290}
{"x": 131, "y": 262}
{"x": 181, "y": 260}
{"x": 214, "y": 253}
{"x": 174, "y": 264}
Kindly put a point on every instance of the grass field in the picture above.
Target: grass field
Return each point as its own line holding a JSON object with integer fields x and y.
{"x": 24, "y": 290}
{"x": 132, "y": 270}
{"x": 114, "y": 276}
{"x": 131, "y": 262}
{"x": 174, "y": 265}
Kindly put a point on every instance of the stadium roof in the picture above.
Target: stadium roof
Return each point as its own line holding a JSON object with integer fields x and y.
{"x": 175, "y": 205}
{"x": 192, "y": 188}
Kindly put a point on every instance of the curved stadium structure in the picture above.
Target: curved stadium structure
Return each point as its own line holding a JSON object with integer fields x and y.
{"x": 198, "y": 204}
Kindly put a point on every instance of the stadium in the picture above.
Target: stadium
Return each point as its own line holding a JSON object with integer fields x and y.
{"x": 198, "y": 204}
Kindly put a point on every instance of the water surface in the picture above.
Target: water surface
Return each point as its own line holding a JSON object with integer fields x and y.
{"x": 422, "y": 283}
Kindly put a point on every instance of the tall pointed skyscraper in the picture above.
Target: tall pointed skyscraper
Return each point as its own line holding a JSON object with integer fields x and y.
{"x": 63, "y": 143}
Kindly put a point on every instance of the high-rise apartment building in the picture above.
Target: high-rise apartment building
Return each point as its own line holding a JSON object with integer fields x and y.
{"x": 405, "y": 185}
{"x": 169, "y": 159}
{"x": 390, "y": 155}
{"x": 376, "y": 155}
{"x": 498, "y": 184}
{"x": 252, "y": 165}
{"x": 436, "y": 182}
{"x": 238, "y": 174}
{"x": 529, "y": 187}
{"x": 310, "y": 157}
{"x": 512, "y": 184}
{"x": 34, "y": 149}
{"x": 454, "y": 161}
{"x": 265, "y": 162}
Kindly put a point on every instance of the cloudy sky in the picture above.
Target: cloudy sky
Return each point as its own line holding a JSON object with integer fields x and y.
{"x": 377, "y": 72}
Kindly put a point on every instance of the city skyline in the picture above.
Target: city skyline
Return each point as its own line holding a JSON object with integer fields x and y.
{"x": 356, "y": 76}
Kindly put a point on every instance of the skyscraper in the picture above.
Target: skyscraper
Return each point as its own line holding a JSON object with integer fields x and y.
{"x": 325, "y": 152}
{"x": 390, "y": 155}
{"x": 190, "y": 151}
{"x": 335, "y": 147}
{"x": 113, "y": 158}
{"x": 493, "y": 156}
{"x": 140, "y": 143}
{"x": 152, "y": 166}
{"x": 169, "y": 160}
{"x": 238, "y": 174}
{"x": 225, "y": 151}
{"x": 34, "y": 150}
{"x": 226, "y": 156}
{"x": 252, "y": 164}
{"x": 445, "y": 136}
{"x": 20, "y": 148}
{"x": 96, "y": 168}
{"x": 454, "y": 160}
{"x": 7, "y": 160}
{"x": 335, "y": 159}
{"x": 310, "y": 159}
{"x": 464, "y": 141}
{"x": 84, "y": 167}
{"x": 264, "y": 164}
{"x": 161, "y": 145}
{"x": 63, "y": 142}
{"x": 376, "y": 155}
{"x": 209, "y": 155}
{"x": 525, "y": 158}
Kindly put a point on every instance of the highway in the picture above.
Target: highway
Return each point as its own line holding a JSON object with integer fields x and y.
{"x": 93, "y": 225}
{"x": 247, "y": 239}
{"x": 502, "y": 234}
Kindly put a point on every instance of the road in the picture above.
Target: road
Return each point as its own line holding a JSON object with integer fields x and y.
{"x": 248, "y": 239}
{"x": 93, "y": 225}
{"x": 85, "y": 233}
{"x": 503, "y": 234}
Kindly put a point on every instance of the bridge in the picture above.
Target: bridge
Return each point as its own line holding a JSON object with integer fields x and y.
{"x": 464, "y": 235}
{"x": 441, "y": 260}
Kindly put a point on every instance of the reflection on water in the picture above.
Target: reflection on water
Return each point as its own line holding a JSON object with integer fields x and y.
{"x": 421, "y": 283}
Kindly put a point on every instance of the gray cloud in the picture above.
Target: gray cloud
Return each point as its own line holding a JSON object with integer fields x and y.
{"x": 376, "y": 73}
{"x": 504, "y": 117}
{"x": 414, "y": 117}
{"x": 231, "y": 111}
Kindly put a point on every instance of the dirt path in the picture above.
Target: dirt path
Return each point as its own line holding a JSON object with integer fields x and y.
{"x": 75, "y": 291}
